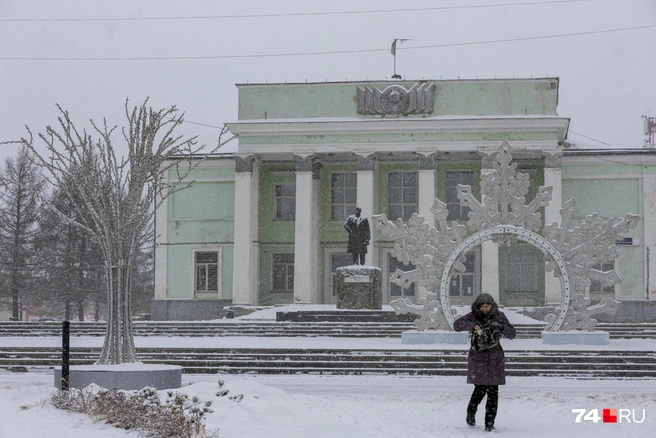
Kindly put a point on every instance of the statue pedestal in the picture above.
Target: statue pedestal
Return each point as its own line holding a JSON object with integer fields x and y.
{"x": 127, "y": 376}
{"x": 358, "y": 287}
{"x": 434, "y": 337}
{"x": 577, "y": 337}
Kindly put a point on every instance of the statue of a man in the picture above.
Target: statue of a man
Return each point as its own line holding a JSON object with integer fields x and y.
{"x": 357, "y": 227}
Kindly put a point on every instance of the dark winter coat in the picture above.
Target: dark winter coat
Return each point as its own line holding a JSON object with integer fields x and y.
{"x": 486, "y": 367}
{"x": 359, "y": 234}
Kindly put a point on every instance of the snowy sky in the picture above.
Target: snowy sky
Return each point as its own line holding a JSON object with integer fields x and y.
{"x": 89, "y": 56}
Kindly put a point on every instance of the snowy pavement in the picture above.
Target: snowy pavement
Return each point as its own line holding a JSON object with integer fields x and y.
{"x": 305, "y": 406}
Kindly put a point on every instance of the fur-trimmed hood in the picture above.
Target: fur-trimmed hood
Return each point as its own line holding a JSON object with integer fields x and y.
{"x": 484, "y": 299}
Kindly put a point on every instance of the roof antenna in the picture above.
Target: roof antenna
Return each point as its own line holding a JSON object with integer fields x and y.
{"x": 393, "y": 51}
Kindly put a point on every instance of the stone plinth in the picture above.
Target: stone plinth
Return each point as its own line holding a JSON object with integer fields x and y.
{"x": 127, "y": 376}
{"x": 358, "y": 287}
{"x": 576, "y": 337}
{"x": 434, "y": 337}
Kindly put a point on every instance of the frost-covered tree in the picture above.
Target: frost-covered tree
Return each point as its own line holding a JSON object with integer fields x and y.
{"x": 22, "y": 187}
{"x": 115, "y": 196}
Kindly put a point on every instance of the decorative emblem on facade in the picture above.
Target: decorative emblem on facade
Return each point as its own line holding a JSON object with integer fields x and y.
{"x": 505, "y": 217}
{"x": 396, "y": 100}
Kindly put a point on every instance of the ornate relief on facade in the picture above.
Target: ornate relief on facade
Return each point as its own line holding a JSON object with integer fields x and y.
{"x": 396, "y": 100}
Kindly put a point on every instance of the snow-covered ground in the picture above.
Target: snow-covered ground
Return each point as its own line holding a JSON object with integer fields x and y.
{"x": 381, "y": 406}
{"x": 303, "y": 406}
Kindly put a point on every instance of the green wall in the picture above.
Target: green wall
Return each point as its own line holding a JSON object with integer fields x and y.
{"x": 201, "y": 217}
{"x": 461, "y": 97}
{"x": 612, "y": 190}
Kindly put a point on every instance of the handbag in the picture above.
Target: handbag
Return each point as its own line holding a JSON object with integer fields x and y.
{"x": 484, "y": 339}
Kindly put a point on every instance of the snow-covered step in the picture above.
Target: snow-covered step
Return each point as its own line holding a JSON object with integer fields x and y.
{"x": 570, "y": 363}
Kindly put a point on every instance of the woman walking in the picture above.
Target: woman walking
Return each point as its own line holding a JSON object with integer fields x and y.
{"x": 485, "y": 364}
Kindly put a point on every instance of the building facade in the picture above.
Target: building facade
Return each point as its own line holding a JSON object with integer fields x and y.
{"x": 264, "y": 226}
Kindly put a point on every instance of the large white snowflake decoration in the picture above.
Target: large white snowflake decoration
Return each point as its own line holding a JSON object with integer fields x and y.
{"x": 580, "y": 313}
{"x": 422, "y": 245}
{"x": 429, "y": 312}
{"x": 503, "y": 193}
{"x": 591, "y": 243}
{"x": 503, "y": 204}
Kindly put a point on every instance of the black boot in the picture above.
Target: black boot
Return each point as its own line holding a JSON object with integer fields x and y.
{"x": 471, "y": 415}
{"x": 489, "y": 422}
{"x": 472, "y": 407}
{"x": 471, "y": 419}
{"x": 491, "y": 408}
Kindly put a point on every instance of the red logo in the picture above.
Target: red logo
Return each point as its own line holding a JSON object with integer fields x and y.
{"x": 610, "y": 415}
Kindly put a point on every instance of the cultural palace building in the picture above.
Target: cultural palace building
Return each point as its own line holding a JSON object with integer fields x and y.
{"x": 264, "y": 226}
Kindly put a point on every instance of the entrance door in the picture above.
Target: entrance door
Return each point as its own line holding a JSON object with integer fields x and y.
{"x": 524, "y": 276}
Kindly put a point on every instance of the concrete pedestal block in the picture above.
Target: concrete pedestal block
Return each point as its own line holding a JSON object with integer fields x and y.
{"x": 358, "y": 287}
{"x": 127, "y": 376}
{"x": 576, "y": 337}
{"x": 434, "y": 337}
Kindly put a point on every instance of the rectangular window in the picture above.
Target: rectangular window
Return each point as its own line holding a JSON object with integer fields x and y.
{"x": 596, "y": 287}
{"x": 453, "y": 178}
{"x": 395, "y": 290}
{"x": 521, "y": 271}
{"x": 401, "y": 195}
{"x": 343, "y": 195}
{"x": 283, "y": 273}
{"x": 338, "y": 261}
{"x": 462, "y": 284}
{"x": 285, "y": 200}
{"x": 207, "y": 271}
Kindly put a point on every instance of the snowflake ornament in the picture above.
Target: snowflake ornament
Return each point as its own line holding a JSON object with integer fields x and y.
{"x": 503, "y": 194}
{"x": 589, "y": 244}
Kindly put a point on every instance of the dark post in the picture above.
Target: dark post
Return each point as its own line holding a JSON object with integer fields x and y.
{"x": 66, "y": 335}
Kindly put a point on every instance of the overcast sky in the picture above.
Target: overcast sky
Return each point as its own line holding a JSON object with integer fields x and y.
{"x": 88, "y": 56}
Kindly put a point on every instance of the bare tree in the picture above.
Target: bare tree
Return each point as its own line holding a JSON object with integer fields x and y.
{"x": 115, "y": 197}
{"x": 22, "y": 188}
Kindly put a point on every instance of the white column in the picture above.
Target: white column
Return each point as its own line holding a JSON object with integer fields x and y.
{"x": 161, "y": 250}
{"x": 365, "y": 200}
{"x": 489, "y": 258}
{"x": 490, "y": 269}
{"x": 255, "y": 232}
{"x": 427, "y": 188}
{"x": 426, "y": 181}
{"x": 553, "y": 178}
{"x": 242, "y": 273}
{"x": 306, "y": 287}
{"x": 649, "y": 225}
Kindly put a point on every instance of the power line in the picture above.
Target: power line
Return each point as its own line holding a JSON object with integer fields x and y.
{"x": 333, "y": 52}
{"x": 201, "y": 124}
{"x": 291, "y": 14}
{"x": 562, "y": 35}
{"x": 589, "y": 138}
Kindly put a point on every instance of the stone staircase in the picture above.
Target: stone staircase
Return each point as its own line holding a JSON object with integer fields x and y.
{"x": 564, "y": 363}
{"x": 268, "y": 328}
{"x": 438, "y": 362}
